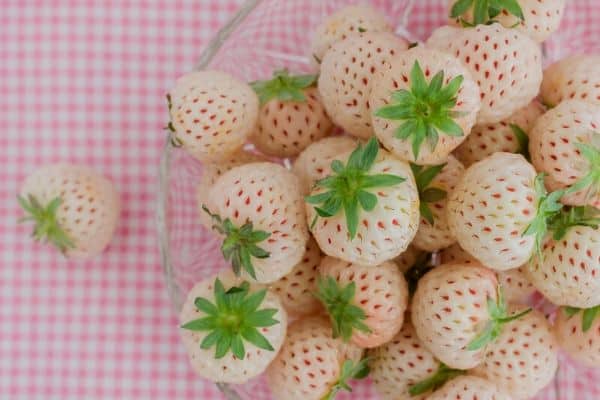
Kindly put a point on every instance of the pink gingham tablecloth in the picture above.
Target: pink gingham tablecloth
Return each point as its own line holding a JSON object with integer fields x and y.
{"x": 84, "y": 81}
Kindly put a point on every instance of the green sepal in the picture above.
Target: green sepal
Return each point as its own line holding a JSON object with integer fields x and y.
{"x": 499, "y": 316}
{"x": 570, "y": 217}
{"x": 437, "y": 380}
{"x": 338, "y": 300}
{"x": 588, "y": 315}
{"x": 348, "y": 187}
{"x": 350, "y": 370}
{"x": 484, "y": 11}
{"x": 591, "y": 180}
{"x": 47, "y": 228}
{"x": 284, "y": 87}
{"x": 232, "y": 319}
{"x": 423, "y": 177}
{"x": 240, "y": 245}
{"x": 523, "y": 140}
{"x": 426, "y": 110}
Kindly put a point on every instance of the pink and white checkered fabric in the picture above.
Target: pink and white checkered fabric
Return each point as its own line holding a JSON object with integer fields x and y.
{"x": 83, "y": 81}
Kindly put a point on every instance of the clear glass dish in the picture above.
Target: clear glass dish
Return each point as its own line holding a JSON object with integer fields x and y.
{"x": 266, "y": 35}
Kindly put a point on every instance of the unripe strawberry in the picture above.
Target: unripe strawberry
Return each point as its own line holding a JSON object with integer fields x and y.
{"x": 574, "y": 77}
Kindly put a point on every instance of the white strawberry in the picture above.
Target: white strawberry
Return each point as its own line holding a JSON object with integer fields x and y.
{"x": 366, "y": 210}
{"x": 535, "y": 18}
{"x": 575, "y": 77}
{"x": 514, "y": 282}
{"x": 313, "y": 163}
{"x": 403, "y": 369}
{"x": 346, "y": 22}
{"x": 258, "y": 208}
{"x": 505, "y": 63}
{"x": 565, "y": 144}
{"x": 457, "y": 310}
{"x": 291, "y": 115}
{"x": 578, "y": 333}
{"x": 508, "y": 136}
{"x": 365, "y": 304}
{"x": 348, "y": 71}
{"x": 470, "y": 387}
{"x": 498, "y": 212}
{"x": 212, "y": 114}
{"x": 73, "y": 207}
{"x": 211, "y": 172}
{"x": 231, "y": 330}
{"x": 297, "y": 289}
{"x": 312, "y": 365}
{"x": 434, "y": 184}
{"x": 568, "y": 269}
{"x": 524, "y": 358}
{"x": 423, "y": 105}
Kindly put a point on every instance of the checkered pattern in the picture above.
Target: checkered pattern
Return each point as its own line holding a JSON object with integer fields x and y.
{"x": 83, "y": 81}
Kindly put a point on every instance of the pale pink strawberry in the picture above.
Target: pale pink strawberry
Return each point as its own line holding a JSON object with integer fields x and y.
{"x": 408, "y": 258}
{"x": 212, "y": 171}
{"x": 405, "y": 98}
{"x": 449, "y": 311}
{"x": 556, "y": 148}
{"x": 313, "y": 163}
{"x": 204, "y": 357}
{"x": 524, "y": 358}
{"x": 575, "y": 77}
{"x": 291, "y": 116}
{"x": 434, "y": 233}
{"x": 578, "y": 333}
{"x": 347, "y": 74}
{"x": 505, "y": 63}
{"x": 73, "y": 207}
{"x": 535, "y": 18}
{"x": 514, "y": 282}
{"x": 568, "y": 271}
{"x": 310, "y": 363}
{"x": 375, "y": 228}
{"x": 345, "y": 22}
{"x": 469, "y": 387}
{"x": 508, "y": 136}
{"x": 296, "y": 289}
{"x": 265, "y": 210}
{"x": 402, "y": 363}
{"x": 212, "y": 114}
{"x": 492, "y": 207}
{"x": 380, "y": 297}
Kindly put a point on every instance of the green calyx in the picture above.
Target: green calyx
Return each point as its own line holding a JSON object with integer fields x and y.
{"x": 573, "y": 216}
{"x": 350, "y": 370}
{"x": 175, "y": 142}
{"x": 284, "y": 87}
{"x": 424, "y": 176}
{"x": 47, "y": 228}
{"x": 422, "y": 266}
{"x": 233, "y": 318}
{"x": 523, "y": 140}
{"x": 588, "y": 315}
{"x": 590, "y": 181}
{"x": 484, "y": 11}
{"x": 338, "y": 301}
{"x": 548, "y": 208}
{"x": 499, "y": 316}
{"x": 437, "y": 380}
{"x": 240, "y": 244}
{"x": 347, "y": 189}
{"x": 426, "y": 110}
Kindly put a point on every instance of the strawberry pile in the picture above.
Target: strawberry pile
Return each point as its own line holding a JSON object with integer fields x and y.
{"x": 408, "y": 248}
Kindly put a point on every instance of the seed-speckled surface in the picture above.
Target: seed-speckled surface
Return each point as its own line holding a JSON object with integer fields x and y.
{"x": 469, "y": 388}
{"x": 584, "y": 347}
{"x": 575, "y": 77}
{"x": 505, "y": 63}
{"x": 491, "y": 207}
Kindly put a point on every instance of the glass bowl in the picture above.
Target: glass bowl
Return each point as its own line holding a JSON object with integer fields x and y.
{"x": 266, "y": 35}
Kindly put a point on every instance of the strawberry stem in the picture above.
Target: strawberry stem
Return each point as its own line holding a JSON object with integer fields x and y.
{"x": 437, "y": 380}
{"x": 240, "y": 244}
{"x": 232, "y": 319}
{"x": 338, "y": 301}
{"x": 47, "y": 228}
{"x": 350, "y": 370}
{"x": 348, "y": 187}
{"x": 426, "y": 110}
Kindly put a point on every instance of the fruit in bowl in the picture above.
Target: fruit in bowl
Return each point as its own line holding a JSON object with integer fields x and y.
{"x": 357, "y": 203}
